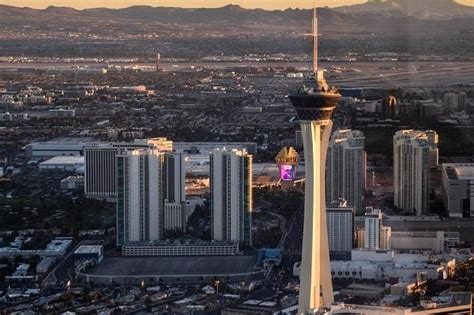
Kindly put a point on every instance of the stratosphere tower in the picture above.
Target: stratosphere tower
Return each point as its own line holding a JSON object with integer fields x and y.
{"x": 315, "y": 102}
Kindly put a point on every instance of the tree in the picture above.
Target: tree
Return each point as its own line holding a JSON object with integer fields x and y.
{"x": 18, "y": 259}
{"x": 148, "y": 303}
{"x": 34, "y": 260}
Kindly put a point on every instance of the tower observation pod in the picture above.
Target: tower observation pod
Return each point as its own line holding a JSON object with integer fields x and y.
{"x": 315, "y": 102}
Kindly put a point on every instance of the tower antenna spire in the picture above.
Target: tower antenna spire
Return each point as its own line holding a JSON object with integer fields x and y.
{"x": 315, "y": 39}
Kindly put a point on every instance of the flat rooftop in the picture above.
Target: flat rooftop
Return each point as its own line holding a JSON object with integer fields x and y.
{"x": 174, "y": 266}
{"x": 68, "y": 140}
{"x": 89, "y": 249}
{"x": 64, "y": 160}
{"x": 182, "y": 242}
{"x": 462, "y": 171}
{"x": 465, "y": 171}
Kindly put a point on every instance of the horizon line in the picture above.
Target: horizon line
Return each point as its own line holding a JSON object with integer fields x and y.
{"x": 169, "y": 7}
{"x": 309, "y": 7}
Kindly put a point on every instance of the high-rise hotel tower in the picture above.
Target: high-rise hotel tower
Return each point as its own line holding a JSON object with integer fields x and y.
{"x": 346, "y": 168}
{"x": 315, "y": 102}
{"x": 150, "y": 192}
{"x": 414, "y": 153}
{"x": 231, "y": 195}
{"x": 139, "y": 196}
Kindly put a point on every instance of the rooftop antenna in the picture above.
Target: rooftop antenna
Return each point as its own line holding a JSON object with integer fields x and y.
{"x": 315, "y": 40}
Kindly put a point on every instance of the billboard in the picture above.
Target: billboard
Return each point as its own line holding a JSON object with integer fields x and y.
{"x": 287, "y": 161}
{"x": 287, "y": 172}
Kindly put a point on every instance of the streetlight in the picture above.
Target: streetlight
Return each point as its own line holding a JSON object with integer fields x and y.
{"x": 217, "y": 286}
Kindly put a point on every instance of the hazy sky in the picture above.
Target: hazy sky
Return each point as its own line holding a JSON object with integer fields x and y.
{"x": 267, "y": 4}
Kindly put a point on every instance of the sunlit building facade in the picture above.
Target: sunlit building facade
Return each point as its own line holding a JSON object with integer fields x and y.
{"x": 231, "y": 195}
{"x": 346, "y": 167}
{"x": 414, "y": 154}
{"x": 139, "y": 196}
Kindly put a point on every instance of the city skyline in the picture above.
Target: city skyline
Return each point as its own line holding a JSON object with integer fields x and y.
{"x": 266, "y": 4}
{"x": 178, "y": 157}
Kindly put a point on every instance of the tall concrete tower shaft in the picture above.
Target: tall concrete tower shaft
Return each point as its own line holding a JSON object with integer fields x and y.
{"x": 315, "y": 102}
{"x": 315, "y": 280}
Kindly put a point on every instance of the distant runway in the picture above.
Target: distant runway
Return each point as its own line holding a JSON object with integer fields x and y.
{"x": 441, "y": 74}
{"x": 408, "y": 74}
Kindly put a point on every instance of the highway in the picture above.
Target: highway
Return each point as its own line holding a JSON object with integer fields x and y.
{"x": 294, "y": 239}
{"x": 283, "y": 229}
{"x": 51, "y": 279}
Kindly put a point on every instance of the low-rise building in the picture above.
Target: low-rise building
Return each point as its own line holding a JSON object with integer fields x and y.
{"x": 72, "y": 183}
{"x": 59, "y": 147}
{"x": 356, "y": 270}
{"x": 44, "y": 265}
{"x": 93, "y": 253}
{"x": 20, "y": 275}
{"x": 181, "y": 248}
{"x": 458, "y": 189}
{"x": 434, "y": 241}
{"x": 62, "y": 113}
{"x": 456, "y": 303}
{"x": 364, "y": 290}
{"x": 56, "y": 248}
{"x": 64, "y": 163}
